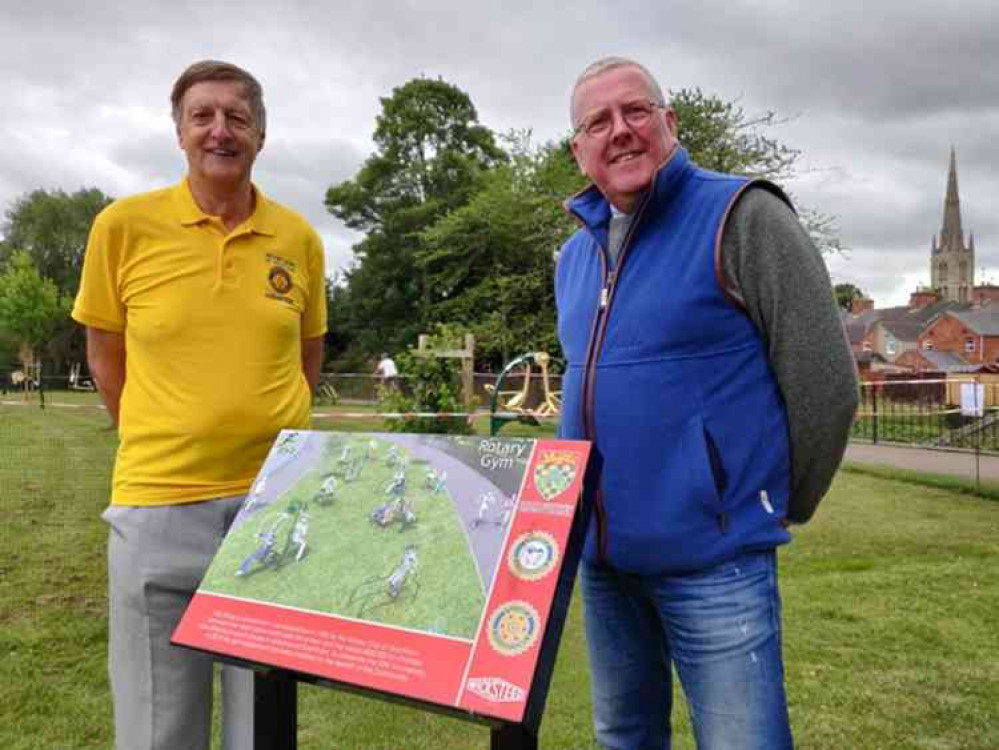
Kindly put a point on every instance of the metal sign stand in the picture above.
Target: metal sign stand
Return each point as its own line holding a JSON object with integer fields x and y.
{"x": 513, "y": 737}
{"x": 275, "y": 711}
{"x": 275, "y": 718}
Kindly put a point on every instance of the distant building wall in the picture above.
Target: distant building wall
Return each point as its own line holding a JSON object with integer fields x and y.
{"x": 948, "y": 334}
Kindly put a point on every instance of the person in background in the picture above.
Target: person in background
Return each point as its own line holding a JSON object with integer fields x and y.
{"x": 708, "y": 365}
{"x": 205, "y": 312}
{"x": 387, "y": 370}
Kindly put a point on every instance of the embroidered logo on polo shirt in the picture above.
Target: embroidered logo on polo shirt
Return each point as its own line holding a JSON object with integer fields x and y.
{"x": 280, "y": 280}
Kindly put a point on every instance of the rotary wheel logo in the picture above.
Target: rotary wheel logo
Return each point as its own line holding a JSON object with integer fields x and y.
{"x": 280, "y": 280}
{"x": 554, "y": 474}
{"x": 513, "y": 628}
{"x": 533, "y": 556}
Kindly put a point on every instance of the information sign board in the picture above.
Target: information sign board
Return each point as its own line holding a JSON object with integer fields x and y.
{"x": 420, "y": 566}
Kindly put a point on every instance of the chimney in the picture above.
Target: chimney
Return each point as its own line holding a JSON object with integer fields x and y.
{"x": 861, "y": 305}
{"x": 922, "y": 298}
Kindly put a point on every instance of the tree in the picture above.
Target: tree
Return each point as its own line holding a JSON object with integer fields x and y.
{"x": 845, "y": 294}
{"x": 430, "y": 151}
{"x": 721, "y": 136}
{"x": 52, "y": 228}
{"x": 31, "y": 306}
{"x": 490, "y": 264}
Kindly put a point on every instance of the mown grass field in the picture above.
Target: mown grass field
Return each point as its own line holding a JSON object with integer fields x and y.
{"x": 891, "y": 604}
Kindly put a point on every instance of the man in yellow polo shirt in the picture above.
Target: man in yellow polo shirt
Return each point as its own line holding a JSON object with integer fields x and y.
{"x": 205, "y": 310}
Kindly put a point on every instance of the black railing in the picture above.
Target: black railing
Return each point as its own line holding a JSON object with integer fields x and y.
{"x": 930, "y": 413}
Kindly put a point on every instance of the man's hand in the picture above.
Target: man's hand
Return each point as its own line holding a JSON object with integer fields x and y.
{"x": 106, "y": 359}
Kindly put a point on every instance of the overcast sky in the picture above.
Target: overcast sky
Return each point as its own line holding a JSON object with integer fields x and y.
{"x": 879, "y": 92}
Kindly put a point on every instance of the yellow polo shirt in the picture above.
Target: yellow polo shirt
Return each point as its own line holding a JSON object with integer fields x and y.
{"x": 213, "y": 323}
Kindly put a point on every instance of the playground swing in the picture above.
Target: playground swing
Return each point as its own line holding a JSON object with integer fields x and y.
{"x": 521, "y": 401}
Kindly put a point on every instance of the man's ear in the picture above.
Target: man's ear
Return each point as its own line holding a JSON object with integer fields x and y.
{"x": 671, "y": 122}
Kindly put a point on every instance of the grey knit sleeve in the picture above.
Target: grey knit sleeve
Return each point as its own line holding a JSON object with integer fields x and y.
{"x": 771, "y": 266}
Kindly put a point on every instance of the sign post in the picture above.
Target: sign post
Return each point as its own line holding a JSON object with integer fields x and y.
{"x": 275, "y": 711}
{"x": 513, "y": 737}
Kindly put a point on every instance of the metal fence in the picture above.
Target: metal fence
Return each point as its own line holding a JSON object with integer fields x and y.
{"x": 939, "y": 413}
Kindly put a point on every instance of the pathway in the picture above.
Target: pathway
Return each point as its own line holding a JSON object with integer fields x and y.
{"x": 951, "y": 463}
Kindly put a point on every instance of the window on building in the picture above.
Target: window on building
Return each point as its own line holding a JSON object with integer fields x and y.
{"x": 890, "y": 346}
{"x": 928, "y": 345}
{"x": 943, "y": 273}
{"x": 969, "y": 345}
{"x": 867, "y": 346}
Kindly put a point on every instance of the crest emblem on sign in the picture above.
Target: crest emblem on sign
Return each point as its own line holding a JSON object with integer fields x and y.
{"x": 554, "y": 473}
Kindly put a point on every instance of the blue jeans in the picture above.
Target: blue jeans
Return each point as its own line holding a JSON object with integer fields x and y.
{"x": 719, "y": 627}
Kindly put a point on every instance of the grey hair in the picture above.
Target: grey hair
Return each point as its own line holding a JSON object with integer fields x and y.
{"x": 215, "y": 70}
{"x": 605, "y": 64}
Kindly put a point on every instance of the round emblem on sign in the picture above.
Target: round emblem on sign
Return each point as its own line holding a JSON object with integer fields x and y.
{"x": 533, "y": 555}
{"x": 513, "y": 628}
{"x": 280, "y": 280}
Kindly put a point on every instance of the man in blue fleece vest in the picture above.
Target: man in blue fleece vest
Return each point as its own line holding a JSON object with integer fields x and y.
{"x": 707, "y": 363}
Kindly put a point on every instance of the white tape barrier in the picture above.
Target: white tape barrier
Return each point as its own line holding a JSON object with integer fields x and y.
{"x": 345, "y": 415}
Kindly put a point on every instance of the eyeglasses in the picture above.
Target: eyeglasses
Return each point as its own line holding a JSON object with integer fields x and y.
{"x": 636, "y": 114}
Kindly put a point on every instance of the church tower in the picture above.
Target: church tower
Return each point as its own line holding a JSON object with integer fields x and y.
{"x": 952, "y": 264}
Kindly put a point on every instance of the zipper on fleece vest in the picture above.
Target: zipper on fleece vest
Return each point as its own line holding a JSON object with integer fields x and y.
{"x": 597, "y": 333}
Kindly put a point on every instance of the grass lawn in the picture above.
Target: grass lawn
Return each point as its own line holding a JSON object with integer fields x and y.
{"x": 891, "y": 606}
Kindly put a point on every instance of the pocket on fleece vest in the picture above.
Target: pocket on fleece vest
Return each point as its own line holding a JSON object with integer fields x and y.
{"x": 664, "y": 498}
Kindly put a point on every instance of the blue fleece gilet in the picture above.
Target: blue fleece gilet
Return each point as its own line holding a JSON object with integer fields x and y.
{"x": 671, "y": 381}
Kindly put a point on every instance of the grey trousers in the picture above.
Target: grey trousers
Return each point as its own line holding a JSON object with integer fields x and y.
{"x": 162, "y": 694}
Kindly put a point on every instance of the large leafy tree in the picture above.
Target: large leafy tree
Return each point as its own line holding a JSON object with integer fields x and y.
{"x": 31, "y": 306}
{"x": 430, "y": 150}
{"x": 490, "y": 264}
{"x": 52, "y": 228}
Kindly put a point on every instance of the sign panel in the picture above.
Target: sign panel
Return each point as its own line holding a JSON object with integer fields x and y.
{"x": 423, "y": 566}
{"x": 972, "y": 399}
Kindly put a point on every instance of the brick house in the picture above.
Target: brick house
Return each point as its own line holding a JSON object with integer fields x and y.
{"x": 972, "y": 335}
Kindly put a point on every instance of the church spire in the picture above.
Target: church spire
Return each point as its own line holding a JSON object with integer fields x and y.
{"x": 951, "y": 236}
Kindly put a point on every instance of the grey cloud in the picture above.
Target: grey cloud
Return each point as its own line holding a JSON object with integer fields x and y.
{"x": 882, "y": 90}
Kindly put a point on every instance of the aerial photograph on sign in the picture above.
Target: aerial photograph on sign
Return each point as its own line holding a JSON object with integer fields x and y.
{"x": 398, "y": 529}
